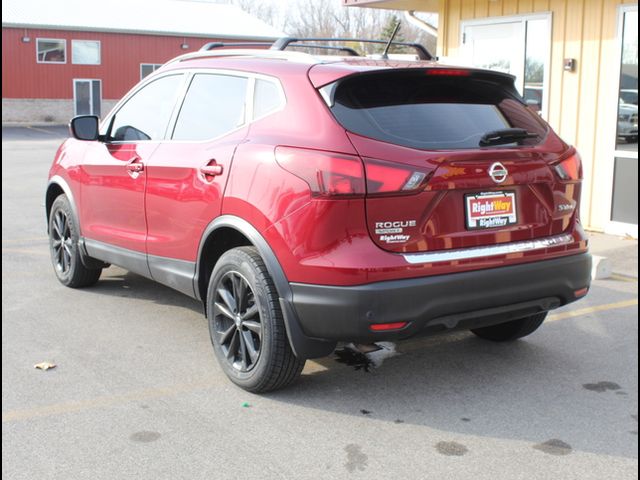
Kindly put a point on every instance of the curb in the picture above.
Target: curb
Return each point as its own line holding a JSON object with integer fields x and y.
{"x": 601, "y": 268}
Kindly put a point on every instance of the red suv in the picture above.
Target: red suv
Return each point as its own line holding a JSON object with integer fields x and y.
{"x": 309, "y": 200}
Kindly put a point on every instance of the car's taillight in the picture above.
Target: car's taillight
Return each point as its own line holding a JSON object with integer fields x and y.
{"x": 338, "y": 175}
{"x": 448, "y": 72}
{"x": 393, "y": 178}
{"x": 569, "y": 169}
{"x": 327, "y": 174}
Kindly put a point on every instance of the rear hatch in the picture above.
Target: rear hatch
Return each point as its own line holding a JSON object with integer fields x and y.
{"x": 454, "y": 159}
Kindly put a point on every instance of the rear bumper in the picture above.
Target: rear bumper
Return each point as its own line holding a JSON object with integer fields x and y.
{"x": 435, "y": 303}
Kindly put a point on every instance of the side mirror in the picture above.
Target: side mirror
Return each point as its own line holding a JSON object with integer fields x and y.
{"x": 84, "y": 127}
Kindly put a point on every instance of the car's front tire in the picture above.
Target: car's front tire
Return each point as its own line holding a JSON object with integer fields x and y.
{"x": 509, "y": 331}
{"x": 246, "y": 324}
{"x": 64, "y": 235}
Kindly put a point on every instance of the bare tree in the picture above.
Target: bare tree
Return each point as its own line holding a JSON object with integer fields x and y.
{"x": 266, "y": 11}
{"x": 329, "y": 18}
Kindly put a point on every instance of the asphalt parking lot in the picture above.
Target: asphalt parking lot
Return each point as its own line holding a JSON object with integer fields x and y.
{"x": 137, "y": 392}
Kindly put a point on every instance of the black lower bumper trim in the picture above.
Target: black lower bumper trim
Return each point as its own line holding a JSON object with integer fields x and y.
{"x": 429, "y": 304}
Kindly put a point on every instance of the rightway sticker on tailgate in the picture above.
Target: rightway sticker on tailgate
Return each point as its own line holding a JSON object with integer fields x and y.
{"x": 392, "y": 231}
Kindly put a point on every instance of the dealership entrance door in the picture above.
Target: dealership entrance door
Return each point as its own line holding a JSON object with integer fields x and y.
{"x": 623, "y": 219}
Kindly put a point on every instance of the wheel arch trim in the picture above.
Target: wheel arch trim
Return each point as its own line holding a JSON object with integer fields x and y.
{"x": 64, "y": 185}
{"x": 60, "y": 182}
{"x": 303, "y": 346}
{"x": 257, "y": 240}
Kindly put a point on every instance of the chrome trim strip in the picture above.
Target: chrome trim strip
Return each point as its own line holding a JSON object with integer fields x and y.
{"x": 478, "y": 252}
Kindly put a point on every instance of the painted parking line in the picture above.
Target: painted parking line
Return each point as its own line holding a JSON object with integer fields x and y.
{"x": 23, "y": 241}
{"x": 423, "y": 342}
{"x": 104, "y": 401}
{"x": 623, "y": 278}
{"x": 42, "y": 130}
{"x": 172, "y": 390}
{"x": 27, "y": 251}
{"x": 588, "y": 310}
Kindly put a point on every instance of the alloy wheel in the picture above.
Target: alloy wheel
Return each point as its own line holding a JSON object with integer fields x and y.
{"x": 237, "y": 322}
{"x": 61, "y": 242}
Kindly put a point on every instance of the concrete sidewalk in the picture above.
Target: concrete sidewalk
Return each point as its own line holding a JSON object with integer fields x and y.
{"x": 622, "y": 252}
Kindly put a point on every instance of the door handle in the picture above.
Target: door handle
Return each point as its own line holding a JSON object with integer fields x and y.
{"x": 135, "y": 165}
{"x": 212, "y": 169}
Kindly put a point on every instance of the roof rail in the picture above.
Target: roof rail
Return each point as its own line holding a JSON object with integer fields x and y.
{"x": 284, "y": 42}
{"x": 277, "y": 49}
{"x": 347, "y": 50}
{"x": 258, "y": 53}
{"x": 214, "y": 45}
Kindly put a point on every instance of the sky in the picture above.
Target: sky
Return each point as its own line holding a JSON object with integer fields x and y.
{"x": 284, "y": 6}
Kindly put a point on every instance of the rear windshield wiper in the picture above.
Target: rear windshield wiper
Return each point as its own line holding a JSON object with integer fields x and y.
{"x": 508, "y": 135}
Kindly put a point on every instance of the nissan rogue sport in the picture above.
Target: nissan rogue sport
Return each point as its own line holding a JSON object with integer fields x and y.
{"x": 308, "y": 200}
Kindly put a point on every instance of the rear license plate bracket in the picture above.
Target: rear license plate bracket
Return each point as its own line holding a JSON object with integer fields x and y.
{"x": 485, "y": 210}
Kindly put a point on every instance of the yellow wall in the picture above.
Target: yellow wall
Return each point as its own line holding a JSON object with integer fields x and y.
{"x": 582, "y": 104}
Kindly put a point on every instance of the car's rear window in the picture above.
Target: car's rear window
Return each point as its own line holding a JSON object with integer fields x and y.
{"x": 430, "y": 112}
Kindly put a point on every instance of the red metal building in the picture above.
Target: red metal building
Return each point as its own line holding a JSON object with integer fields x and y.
{"x": 57, "y": 63}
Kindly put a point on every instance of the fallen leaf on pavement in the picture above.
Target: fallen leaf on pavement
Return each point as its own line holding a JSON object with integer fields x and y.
{"x": 44, "y": 365}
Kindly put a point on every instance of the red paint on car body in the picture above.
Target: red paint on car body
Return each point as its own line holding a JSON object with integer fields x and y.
{"x": 329, "y": 240}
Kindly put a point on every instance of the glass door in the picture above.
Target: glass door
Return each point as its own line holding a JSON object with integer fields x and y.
{"x": 87, "y": 97}
{"x": 624, "y": 194}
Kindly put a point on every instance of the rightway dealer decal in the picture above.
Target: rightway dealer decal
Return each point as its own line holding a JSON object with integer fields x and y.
{"x": 491, "y": 209}
{"x": 394, "y": 238}
{"x": 392, "y": 231}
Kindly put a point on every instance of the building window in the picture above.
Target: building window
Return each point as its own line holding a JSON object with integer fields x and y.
{"x": 85, "y": 52}
{"x": 51, "y": 50}
{"x": 148, "y": 69}
{"x": 518, "y": 45}
{"x": 537, "y": 48}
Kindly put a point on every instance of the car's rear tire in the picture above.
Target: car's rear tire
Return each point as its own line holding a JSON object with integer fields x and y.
{"x": 246, "y": 324}
{"x": 63, "y": 246}
{"x": 509, "y": 331}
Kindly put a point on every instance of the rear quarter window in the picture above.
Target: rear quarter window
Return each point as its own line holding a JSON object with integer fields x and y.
{"x": 431, "y": 113}
{"x": 267, "y": 98}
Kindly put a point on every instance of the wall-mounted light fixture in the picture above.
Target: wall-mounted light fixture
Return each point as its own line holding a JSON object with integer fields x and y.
{"x": 26, "y": 39}
{"x": 184, "y": 46}
{"x": 570, "y": 64}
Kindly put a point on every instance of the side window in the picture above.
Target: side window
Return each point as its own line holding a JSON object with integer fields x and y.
{"x": 146, "y": 115}
{"x": 51, "y": 50}
{"x": 267, "y": 97}
{"x": 213, "y": 106}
